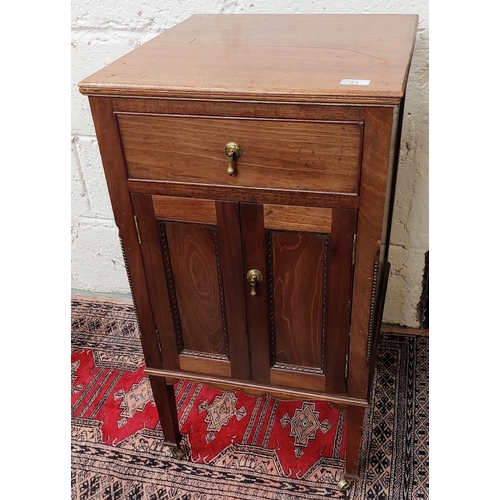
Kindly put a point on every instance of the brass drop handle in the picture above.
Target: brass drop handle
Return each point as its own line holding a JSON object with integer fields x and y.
{"x": 253, "y": 277}
{"x": 233, "y": 152}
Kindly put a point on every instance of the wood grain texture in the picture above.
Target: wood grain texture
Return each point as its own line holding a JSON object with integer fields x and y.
{"x": 244, "y": 109}
{"x": 377, "y": 138}
{"x": 257, "y": 307}
{"x": 304, "y": 156}
{"x": 283, "y": 393}
{"x": 291, "y": 218}
{"x": 354, "y": 432}
{"x": 271, "y": 83}
{"x": 232, "y": 274}
{"x": 244, "y": 194}
{"x": 200, "y": 364}
{"x": 115, "y": 172}
{"x": 153, "y": 263}
{"x": 298, "y": 264}
{"x": 339, "y": 294}
{"x": 398, "y": 114}
{"x": 195, "y": 270}
{"x": 292, "y": 57}
{"x": 298, "y": 379}
{"x": 164, "y": 396}
{"x": 184, "y": 209}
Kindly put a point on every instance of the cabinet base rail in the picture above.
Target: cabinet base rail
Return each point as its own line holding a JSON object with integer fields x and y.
{"x": 339, "y": 400}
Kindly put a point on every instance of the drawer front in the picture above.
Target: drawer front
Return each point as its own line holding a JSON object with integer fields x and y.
{"x": 292, "y": 155}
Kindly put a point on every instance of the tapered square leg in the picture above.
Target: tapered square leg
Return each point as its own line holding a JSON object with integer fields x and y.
{"x": 354, "y": 432}
{"x": 167, "y": 411}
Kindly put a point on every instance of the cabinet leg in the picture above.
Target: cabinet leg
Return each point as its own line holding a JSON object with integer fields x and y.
{"x": 354, "y": 432}
{"x": 167, "y": 411}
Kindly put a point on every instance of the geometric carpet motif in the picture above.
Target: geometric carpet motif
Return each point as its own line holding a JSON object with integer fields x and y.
{"x": 220, "y": 413}
{"x": 238, "y": 447}
{"x": 304, "y": 425}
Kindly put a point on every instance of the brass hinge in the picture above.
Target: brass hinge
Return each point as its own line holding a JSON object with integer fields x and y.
{"x": 346, "y": 369}
{"x": 158, "y": 340}
{"x": 137, "y": 229}
{"x": 354, "y": 242}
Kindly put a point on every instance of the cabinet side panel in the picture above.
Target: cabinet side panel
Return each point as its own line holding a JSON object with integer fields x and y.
{"x": 298, "y": 266}
{"x": 108, "y": 138}
{"x": 376, "y": 153}
{"x": 398, "y": 114}
{"x": 192, "y": 250}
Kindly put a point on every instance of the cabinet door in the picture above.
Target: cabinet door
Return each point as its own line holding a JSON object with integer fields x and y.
{"x": 299, "y": 317}
{"x": 192, "y": 258}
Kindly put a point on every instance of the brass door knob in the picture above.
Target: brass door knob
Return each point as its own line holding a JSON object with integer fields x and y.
{"x": 233, "y": 152}
{"x": 253, "y": 277}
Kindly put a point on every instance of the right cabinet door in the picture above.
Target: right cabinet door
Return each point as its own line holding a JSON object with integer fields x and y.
{"x": 298, "y": 315}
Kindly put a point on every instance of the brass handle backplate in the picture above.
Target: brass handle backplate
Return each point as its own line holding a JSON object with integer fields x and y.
{"x": 253, "y": 277}
{"x": 233, "y": 152}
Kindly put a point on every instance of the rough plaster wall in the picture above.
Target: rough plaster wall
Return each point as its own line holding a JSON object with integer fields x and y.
{"x": 103, "y": 30}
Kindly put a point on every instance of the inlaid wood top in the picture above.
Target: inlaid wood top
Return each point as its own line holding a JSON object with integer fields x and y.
{"x": 269, "y": 57}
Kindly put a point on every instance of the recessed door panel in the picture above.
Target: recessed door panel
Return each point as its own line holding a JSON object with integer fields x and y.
{"x": 298, "y": 294}
{"x": 197, "y": 245}
{"x": 198, "y": 290}
{"x": 300, "y": 312}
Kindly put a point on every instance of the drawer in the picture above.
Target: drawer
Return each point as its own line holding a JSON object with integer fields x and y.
{"x": 278, "y": 154}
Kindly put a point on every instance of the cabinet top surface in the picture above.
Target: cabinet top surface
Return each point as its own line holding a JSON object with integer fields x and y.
{"x": 289, "y": 57}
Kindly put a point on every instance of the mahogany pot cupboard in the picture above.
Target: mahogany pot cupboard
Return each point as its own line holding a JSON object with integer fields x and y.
{"x": 251, "y": 164}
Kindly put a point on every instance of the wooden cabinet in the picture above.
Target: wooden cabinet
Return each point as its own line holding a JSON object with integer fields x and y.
{"x": 253, "y": 191}
{"x": 290, "y": 328}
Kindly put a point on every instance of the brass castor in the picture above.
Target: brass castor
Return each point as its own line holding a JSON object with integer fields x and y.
{"x": 344, "y": 485}
{"x": 178, "y": 453}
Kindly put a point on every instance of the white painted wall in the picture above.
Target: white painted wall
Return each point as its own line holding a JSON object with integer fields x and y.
{"x": 103, "y": 30}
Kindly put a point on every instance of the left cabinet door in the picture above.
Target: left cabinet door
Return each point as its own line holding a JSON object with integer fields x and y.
{"x": 192, "y": 256}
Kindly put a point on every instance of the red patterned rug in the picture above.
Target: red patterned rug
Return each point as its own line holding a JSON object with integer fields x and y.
{"x": 237, "y": 446}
